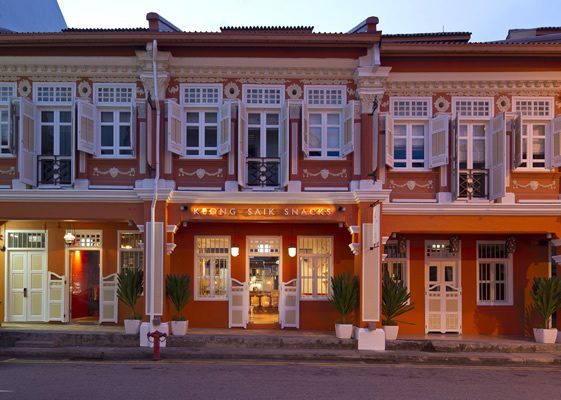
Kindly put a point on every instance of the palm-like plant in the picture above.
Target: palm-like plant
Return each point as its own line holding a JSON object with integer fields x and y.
{"x": 546, "y": 293}
{"x": 344, "y": 294}
{"x": 177, "y": 290}
{"x": 395, "y": 300}
{"x": 130, "y": 287}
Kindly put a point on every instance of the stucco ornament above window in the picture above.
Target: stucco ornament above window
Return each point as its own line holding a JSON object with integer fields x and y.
{"x": 503, "y": 104}
{"x": 294, "y": 91}
{"x": 231, "y": 90}
{"x": 84, "y": 89}
{"x": 24, "y": 88}
{"x": 441, "y": 104}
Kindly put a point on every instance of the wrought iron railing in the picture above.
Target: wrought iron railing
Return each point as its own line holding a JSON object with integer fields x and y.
{"x": 54, "y": 170}
{"x": 263, "y": 171}
{"x": 473, "y": 184}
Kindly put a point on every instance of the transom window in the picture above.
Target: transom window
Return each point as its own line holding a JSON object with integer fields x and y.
{"x": 26, "y": 240}
{"x": 202, "y": 133}
{"x": 7, "y": 92}
{"x": 473, "y": 107}
{"x": 202, "y": 94}
{"x": 131, "y": 250}
{"x": 409, "y": 144}
{"x": 53, "y": 93}
{"x": 315, "y": 265}
{"x": 494, "y": 274}
{"x": 212, "y": 267}
{"x": 113, "y": 94}
{"x": 531, "y": 107}
{"x": 410, "y": 108}
{"x": 325, "y": 96}
{"x": 395, "y": 263}
{"x": 263, "y": 95}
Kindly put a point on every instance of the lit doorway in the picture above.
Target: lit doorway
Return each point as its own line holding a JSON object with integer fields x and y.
{"x": 84, "y": 289}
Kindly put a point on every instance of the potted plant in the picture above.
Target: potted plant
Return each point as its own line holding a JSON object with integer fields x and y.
{"x": 177, "y": 290}
{"x": 546, "y": 293}
{"x": 344, "y": 297}
{"x": 129, "y": 289}
{"x": 395, "y": 302}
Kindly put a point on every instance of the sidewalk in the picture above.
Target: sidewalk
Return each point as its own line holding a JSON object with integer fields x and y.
{"x": 109, "y": 343}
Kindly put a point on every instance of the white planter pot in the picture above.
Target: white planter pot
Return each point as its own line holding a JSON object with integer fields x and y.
{"x": 391, "y": 331}
{"x": 545, "y": 335}
{"x": 343, "y": 331}
{"x": 179, "y": 328}
{"x": 132, "y": 326}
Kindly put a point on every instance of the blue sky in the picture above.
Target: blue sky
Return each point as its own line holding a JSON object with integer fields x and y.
{"x": 486, "y": 19}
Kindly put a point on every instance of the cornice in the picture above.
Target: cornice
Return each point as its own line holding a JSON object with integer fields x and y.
{"x": 70, "y": 196}
{"x": 545, "y": 209}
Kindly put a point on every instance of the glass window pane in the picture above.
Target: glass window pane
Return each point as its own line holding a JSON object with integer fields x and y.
{"x": 253, "y": 142}
{"x": 65, "y": 145}
{"x": 433, "y": 273}
{"x": 272, "y": 142}
{"x": 418, "y": 149}
{"x": 333, "y": 138}
{"x": 106, "y": 117}
{"x": 478, "y": 154}
{"x": 315, "y": 119}
{"x": 333, "y": 119}
{"x": 192, "y": 136}
{"x": 211, "y": 136}
{"x": 479, "y": 131}
{"x": 107, "y": 136}
{"x": 192, "y": 118}
{"x": 462, "y": 153}
{"x": 124, "y": 117}
{"x": 254, "y": 118}
{"x": 418, "y": 130}
{"x": 448, "y": 273}
{"x": 272, "y": 118}
{"x": 538, "y": 148}
{"x": 538, "y": 130}
{"x": 47, "y": 140}
{"x": 125, "y": 136}
{"x": 400, "y": 130}
{"x": 315, "y": 137}
{"x": 47, "y": 116}
{"x": 400, "y": 149}
{"x": 211, "y": 117}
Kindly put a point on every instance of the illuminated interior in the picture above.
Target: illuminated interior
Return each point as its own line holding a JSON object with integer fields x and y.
{"x": 263, "y": 290}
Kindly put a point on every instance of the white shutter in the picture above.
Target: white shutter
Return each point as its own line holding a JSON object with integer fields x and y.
{"x": 87, "y": 127}
{"x": 376, "y": 214}
{"x": 348, "y": 130}
{"x": 305, "y": 131}
{"x": 438, "y": 141}
{"x": 238, "y": 304}
{"x": 454, "y": 168}
{"x": 225, "y": 129}
{"x": 388, "y": 130}
{"x": 176, "y": 138}
{"x": 134, "y": 115}
{"x": 56, "y": 297}
{"x": 497, "y": 157}
{"x": 27, "y": 143}
{"x": 516, "y": 141}
{"x": 290, "y": 304}
{"x": 285, "y": 142}
{"x": 242, "y": 145}
{"x": 555, "y": 142}
{"x": 108, "y": 305}
{"x": 12, "y": 114}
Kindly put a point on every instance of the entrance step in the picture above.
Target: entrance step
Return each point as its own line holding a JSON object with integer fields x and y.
{"x": 36, "y": 343}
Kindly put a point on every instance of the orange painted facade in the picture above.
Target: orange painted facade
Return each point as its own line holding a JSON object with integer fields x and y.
{"x": 265, "y": 132}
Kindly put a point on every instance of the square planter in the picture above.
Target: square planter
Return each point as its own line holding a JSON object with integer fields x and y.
{"x": 545, "y": 335}
{"x": 343, "y": 331}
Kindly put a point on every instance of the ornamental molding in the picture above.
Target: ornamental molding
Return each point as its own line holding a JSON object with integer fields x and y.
{"x": 411, "y": 185}
{"x": 9, "y": 171}
{"x": 113, "y": 172}
{"x": 161, "y": 84}
{"x": 24, "y": 88}
{"x": 294, "y": 91}
{"x": 84, "y": 89}
{"x": 325, "y": 173}
{"x": 367, "y": 100}
{"x": 441, "y": 104}
{"x": 474, "y": 88}
{"x": 69, "y": 73}
{"x": 503, "y": 103}
{"x": 201, "y": 173}
{"x": 534, "y": 185}
{"x": 231, "y": 90}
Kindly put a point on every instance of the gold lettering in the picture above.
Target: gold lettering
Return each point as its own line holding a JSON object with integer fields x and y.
{"x": 195, "y": 210}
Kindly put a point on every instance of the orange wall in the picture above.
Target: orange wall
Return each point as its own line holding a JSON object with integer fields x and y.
{"x": 314, "y": 315}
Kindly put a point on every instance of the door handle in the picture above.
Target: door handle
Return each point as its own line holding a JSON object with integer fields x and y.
{"x": 24, "y": 292}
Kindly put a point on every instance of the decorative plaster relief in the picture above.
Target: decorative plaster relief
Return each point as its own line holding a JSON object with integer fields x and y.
{"x": 534, "y": 185}
{"x": 503, "y": 103}
{"x": 201, "y": 173}
{"x": 325, "y": 173}
{"x": 84, "y": 89}
{"x": 9, "y": 171}
{"x": 441, "y": 104}
{"x": 24, "y": 88}
{"x": 231, "y": 90}
{"x": 294, "y": 91}
{"x": 114, "y": 172}
{"x": 411, "y": 185}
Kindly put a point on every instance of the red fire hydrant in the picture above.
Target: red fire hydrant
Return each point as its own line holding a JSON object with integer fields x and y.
{"x": 157, "y": 337}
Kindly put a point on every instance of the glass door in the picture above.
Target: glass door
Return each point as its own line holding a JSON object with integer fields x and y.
{"x": 55, "y": 158}
{"x": 443, "y": 297}
{"x": 263, "y": 148}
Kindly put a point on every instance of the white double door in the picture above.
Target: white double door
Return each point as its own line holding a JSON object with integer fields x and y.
{"x": 27, "y": 275}
{"x": 443, "y": 297}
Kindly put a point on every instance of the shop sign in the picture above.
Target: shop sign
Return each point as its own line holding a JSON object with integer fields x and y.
{"x": 312, "y": 211}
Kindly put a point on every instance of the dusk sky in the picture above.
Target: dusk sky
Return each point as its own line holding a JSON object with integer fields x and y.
{"x": 486, "y": 19}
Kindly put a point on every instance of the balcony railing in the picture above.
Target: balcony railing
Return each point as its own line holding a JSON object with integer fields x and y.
{"x": 473, "y": 184}
{"x": 263, "y": 171}
{"x": 55, "y": 170}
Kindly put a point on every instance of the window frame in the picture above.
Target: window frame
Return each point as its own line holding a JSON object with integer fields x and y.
{"x": 404, "y": 260}
{"x": 121, "y": 250}
{"x": 409, "y": 123}
{"x": 509, "y": 280}
{"x": 489, "y": 100}
{"x": 314, "y": 296}
{"x": 55, "y": 85}
{"x": 196, "y": 258}
{"x": 5, "y": 105}
{"x": 247, "y": 87}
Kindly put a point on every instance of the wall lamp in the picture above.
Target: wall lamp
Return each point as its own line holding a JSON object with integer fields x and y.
{"x": 235, "y": 250}
{"x": 292, "y": 250}
{"x": 69, "y": 238}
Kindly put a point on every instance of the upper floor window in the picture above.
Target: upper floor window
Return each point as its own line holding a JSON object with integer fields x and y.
{"x": 7, "y": 93}
{"x": 472, "y": 107}
{"x": 328, "y": 130}
{"x": 410, "y": 129}
{"x": 494, "y": 274}
{"x": 115, "y": 109}
{"x": 53, "y": 93}
{"x": 315, "y": 265}
{"x": 263, "y": 95}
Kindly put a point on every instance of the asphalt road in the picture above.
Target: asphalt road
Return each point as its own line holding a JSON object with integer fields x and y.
{"x": 248, "y": 380}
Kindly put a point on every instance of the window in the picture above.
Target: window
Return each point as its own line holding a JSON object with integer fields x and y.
{"x": 202, "y": 94}
{"x": 131, "y": 250}
{"x": 212, "y": 267}
{"x": 494, "y": 274}
{"x": 115, "y": 108}
{"x": 534, "y": 107}
{"x": 395, "y": 263}
{"x": 263, "y": 148}
{"x": 53, "y": 93}
{"x": 7, "y": 92}
{"x": 472, "y": 108}
{"x": 536, "y": 114}
{"x": 324, "y": 134}
{"x": 315, "y": 260}
{"x": 409, "y": 145}
{"x": 55, "y": 158}
{"x": 260, "y": 95}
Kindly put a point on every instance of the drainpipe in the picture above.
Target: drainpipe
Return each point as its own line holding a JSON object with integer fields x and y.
{"x": 156, "y": 179}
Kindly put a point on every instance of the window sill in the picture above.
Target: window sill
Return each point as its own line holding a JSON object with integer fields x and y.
{"x": 111, "y": 157}
{"x": 393, "y": 169}
{"x": 539, "y": 170}
{"x": 201, "y": 157}
{"x": 325, "y": 158}
{"x": 499, "y": 304}
{"x": 8, "y": 156}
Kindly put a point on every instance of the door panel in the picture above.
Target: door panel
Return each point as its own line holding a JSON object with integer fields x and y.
{"x": 27, "y": 286}
{"x": 443, "y": 298}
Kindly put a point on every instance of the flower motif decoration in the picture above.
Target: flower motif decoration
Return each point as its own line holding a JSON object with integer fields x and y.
{"x": 84, "y": 89}
{"x": 24, "y": 88}
{"x": 294, "y": 91}
{"x": 231, "y": 90}
{"x": 441, "y": 104}
{"x": 503, "y": 103}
